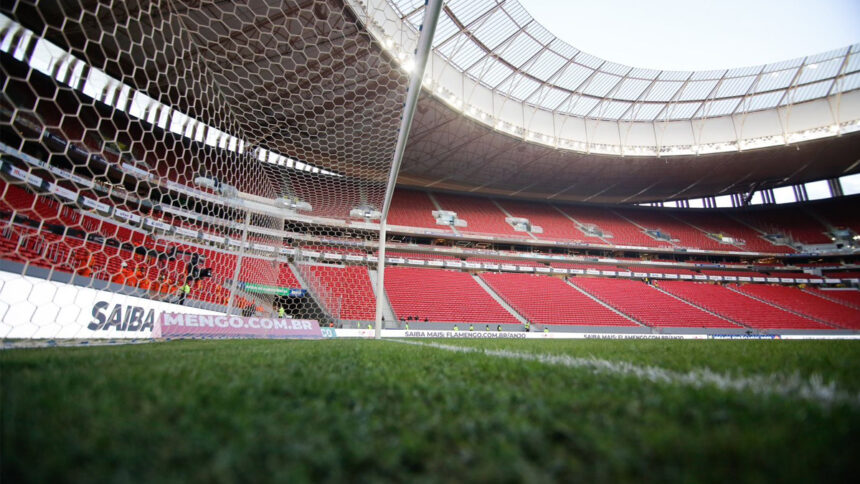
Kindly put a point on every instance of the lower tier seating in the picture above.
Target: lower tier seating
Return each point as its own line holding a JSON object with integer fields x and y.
{"x": 648, "y": 305}
{"x": 442, "y": 296}
{"x": 849, "y": 298}
{"x": 549, "y": 300}
{"x": 345, "y": 292}
{"x": 806, "y": 304}
{"x": 738, "y": 307}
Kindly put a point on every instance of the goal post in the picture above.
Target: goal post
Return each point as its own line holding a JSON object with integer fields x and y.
{"x": 422, "y": 52}
{"x": 231, "y": 159}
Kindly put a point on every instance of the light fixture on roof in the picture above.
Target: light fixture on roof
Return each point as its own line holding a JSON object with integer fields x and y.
{"x": 214, "y": 183}
{"x": 293, "y": 203}
{"x": 813, "y": 66}
{"x": 365, "y": 211}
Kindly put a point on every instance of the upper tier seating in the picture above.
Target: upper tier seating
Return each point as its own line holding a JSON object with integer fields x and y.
{"x": 622, "y": 231}
{"x": 792, "y": 222}
{"x": 738, "y": 307}
{"x": 481, "y": 215}
{"x": 717, "y": 223}
{"x": 839, "y": 212}
{"x": 442, "y": 296}
{"x": 804, "y": 303}
{"x": 555, "y": 226}
{"x": 412, "y": 208}
{"x": 549, "y": 300}
{"x": 648, "y": 305}
{"x": 685, "y": 235}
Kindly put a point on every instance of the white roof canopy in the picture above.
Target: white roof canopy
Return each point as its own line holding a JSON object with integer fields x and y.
{"x": 504, "y": 58}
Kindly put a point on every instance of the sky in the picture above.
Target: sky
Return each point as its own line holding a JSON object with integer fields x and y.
{"x": 699, "y": 34}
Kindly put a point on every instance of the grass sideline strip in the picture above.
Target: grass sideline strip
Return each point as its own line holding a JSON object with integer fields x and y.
{"x": 813, "y": 389}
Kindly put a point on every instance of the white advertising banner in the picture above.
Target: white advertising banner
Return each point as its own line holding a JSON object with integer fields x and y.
{"x": 37, "y": 308}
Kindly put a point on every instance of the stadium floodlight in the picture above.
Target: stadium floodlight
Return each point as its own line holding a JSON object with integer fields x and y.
{"x": 365, "y": 212}
{"x": 294, "y": 204}
{"x": 448, "y": 217}
{"x": 224, "y": 189}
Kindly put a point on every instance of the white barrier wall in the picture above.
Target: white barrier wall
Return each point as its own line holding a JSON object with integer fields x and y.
{"x": 399, "y": 333}
{"x": 36, "y": 308}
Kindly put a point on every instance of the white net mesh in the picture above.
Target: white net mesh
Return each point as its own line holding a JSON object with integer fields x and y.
{"x": 225, "y": 158}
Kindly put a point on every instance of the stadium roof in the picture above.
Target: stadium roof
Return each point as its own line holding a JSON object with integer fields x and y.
{"x": 498, "y": 44}
{"x": 511, "y": 109}
{"x": 474, "y": 132}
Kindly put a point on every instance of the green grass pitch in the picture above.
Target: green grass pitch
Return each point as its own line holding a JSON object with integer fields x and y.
{"x": 363, "y": 410}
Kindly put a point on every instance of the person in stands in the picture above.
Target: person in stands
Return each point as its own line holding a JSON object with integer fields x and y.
{"x": 184, "y": 290}
{"x": 123, "y": 276}
{"x": 86, "y": 269}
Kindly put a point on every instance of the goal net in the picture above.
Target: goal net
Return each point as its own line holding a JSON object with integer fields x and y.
{"x": 196, "y": 157}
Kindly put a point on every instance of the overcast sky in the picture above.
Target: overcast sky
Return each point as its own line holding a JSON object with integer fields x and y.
{"x": 697, "y": 34}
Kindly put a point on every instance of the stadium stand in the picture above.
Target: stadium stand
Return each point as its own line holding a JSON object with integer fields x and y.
{"x": 738, "y": 307}
{"x": 715, "y": 272}
{"x": 442, "y": 296}
{"x": 648, "y": 305}
{"x": 412, "y": 208}
{"x": 838, "y": 212}
{"x": 805, "y": 303}
{"x": 549, "y": 300}
{"x": 850, "y": 297}
{"x": 662, "y": 269}
{"x": 661, "y": 220}
{"x": 792, "y": 222}
{"x": 349, "y": 293}
{"x": 622, "y": 232}
{"x": 718, "y": 224}
{"x": 481, "y": 215}
{"x": 554, "y": 225}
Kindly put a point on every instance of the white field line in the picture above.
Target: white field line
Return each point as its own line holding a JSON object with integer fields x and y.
{"x": 812, "y": 389}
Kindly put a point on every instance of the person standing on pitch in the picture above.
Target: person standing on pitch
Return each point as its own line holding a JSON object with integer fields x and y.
{"x": 471, "y": 327}
{"x": 281, "y": 312}
{"x": 487, "y": 328}
{"x": 499, "y": 328}
{"x": 456, "y": 328}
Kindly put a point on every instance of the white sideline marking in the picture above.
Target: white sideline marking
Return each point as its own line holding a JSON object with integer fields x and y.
{"x": 812, "y": 389}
